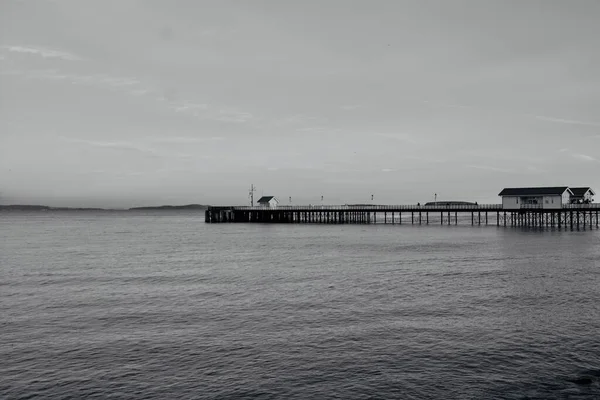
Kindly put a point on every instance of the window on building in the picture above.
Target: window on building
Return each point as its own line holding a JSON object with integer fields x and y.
{"x": 517, "y": 200}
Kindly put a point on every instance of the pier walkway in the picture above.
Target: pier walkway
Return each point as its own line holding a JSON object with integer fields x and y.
{"x": 531, "y": 215}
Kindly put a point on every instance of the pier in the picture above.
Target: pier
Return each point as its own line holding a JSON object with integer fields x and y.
{"x": 574, "y": 216}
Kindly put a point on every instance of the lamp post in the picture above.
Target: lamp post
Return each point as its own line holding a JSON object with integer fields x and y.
{"x": 435, "y": 199}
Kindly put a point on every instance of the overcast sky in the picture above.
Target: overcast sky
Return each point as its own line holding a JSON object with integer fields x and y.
{"x": 142, "y": 102}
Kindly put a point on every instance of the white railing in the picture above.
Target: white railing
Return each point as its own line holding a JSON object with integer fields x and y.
{"x": 531, "y": 206}
{"x": 595, "y": 206}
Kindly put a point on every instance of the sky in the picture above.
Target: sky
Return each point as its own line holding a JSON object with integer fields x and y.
{"x": 121, "y": 103}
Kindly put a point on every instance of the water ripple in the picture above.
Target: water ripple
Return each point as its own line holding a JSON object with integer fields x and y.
{"x": 163, "y": 306}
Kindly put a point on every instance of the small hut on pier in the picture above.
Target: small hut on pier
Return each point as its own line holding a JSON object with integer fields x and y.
{"x": 268, "y": 202}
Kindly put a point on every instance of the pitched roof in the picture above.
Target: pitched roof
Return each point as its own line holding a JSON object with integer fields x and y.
{"x": 265, "y": 199}
{"x": 535, "y": 191}
{"x": 581, "y": 191}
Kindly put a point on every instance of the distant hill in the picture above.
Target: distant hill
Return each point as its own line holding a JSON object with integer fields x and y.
{"x": 25, "y": 207}
{"x": 22, "y": 207}
{"x": 185, "y": 207}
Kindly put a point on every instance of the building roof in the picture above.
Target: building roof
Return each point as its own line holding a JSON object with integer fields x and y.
{"x": 581, "y": 191}
{"x": 535, "y": 191}
{"x": 449, "y": 203}
{"x": 266, "y": 199}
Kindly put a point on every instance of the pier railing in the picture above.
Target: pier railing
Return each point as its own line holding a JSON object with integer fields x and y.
{"x": 412, "y": 207}
{"x": 531, "y": 206}
{"x": 593, "y": 206}
{"x": 587, "y": 206}
{"x": 376, "y": 207}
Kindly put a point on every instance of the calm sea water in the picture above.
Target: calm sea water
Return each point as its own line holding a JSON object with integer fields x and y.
{"x": 161, "y": 305}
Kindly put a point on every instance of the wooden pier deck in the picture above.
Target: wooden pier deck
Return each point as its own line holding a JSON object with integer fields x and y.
{"x": 570, "y": 215}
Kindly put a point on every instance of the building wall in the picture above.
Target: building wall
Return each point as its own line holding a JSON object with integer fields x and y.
{"x": 553, "y": 201}
{"x": 586, "y": 197}
{"x": 566, "y": 197}
{"x": 515, "y": 202}
{"x": 510, "y": 203}
{"x": 271, "y": 204}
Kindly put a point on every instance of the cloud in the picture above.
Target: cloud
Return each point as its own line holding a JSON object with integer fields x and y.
{"x": 350, "y": 107}
{"x": 128, "y": 146}
{"x": 400, "y": 137}
{"x": 297, "y": 119}
{"x": 426, "y": 159}
{"x": 579, "y": 156}
{"x": 228, "y": 115}
{"x": 506, "y": 112}
{"x": 99, "y": 80}
{"x": 567, "y": 121}
{"x": 118, "y": 82}
{"x": 187, "y": 140}
{"x": 584, "y": 157}
{"x": 139, "y": 92}
{"x": 318, "y": 130}
{"x": 134, "y": 87}
{"x": 45, "y": 53}
{"x": 207, "y": 112}
{"x": 490, "y": 168}
{"x": 387, "y": 170}
{"x": 447, "y": 105}
{"x": 186, "y": 106}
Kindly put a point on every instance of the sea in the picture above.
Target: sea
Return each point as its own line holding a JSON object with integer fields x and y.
{"x": 160, "y": 305}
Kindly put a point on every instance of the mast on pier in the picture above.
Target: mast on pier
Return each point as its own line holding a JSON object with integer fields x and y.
{"x": 251, "y": 195}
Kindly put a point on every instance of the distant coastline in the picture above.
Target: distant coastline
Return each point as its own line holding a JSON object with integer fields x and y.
{"x": 184, "y": 207}
{"x": 26, "y": 207}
